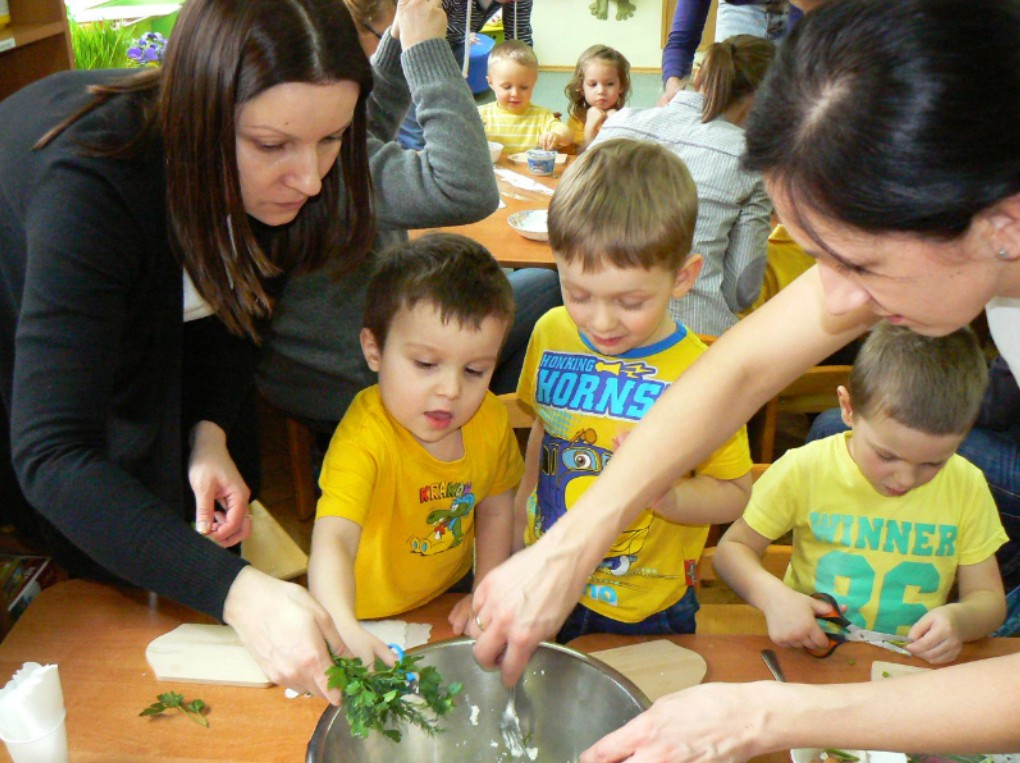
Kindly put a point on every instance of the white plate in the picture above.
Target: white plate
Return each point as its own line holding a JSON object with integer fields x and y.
{"x": 522, "y": 158}
{"x": 807, "y": 754}
{"x": 531, "y": 223}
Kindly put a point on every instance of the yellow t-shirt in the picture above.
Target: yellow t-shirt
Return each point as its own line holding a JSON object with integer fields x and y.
{"x": 416, "y": 512}
{"x": 577, "y": 128}
{"x": 585, "y": 399}
{"x": 889, "y": 560}
{"x": 786, "y": 260}
{"x": 517, "y": 132}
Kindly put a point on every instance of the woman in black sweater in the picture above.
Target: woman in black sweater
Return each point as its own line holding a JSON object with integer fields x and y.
{"x": 145, "y": 222}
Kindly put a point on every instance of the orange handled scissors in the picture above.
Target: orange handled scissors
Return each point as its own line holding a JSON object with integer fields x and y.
{"x": 847, "y": 631}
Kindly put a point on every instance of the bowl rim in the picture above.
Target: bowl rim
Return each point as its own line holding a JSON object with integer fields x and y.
{"x": 329, "y": 714}
{"x": 513, "y": 220}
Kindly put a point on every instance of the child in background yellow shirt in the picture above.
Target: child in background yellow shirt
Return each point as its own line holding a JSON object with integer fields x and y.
{"x": 421, "y": 469}
{"x": 513, "y": 119}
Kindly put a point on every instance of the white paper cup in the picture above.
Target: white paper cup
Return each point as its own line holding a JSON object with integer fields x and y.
{"x": 50, "y": 747}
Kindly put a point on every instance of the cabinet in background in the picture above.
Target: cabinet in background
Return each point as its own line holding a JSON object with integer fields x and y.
{"x": 37, "y": 42}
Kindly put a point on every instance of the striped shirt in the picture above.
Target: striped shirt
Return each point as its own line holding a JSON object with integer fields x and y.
{"x": 734, "y": 209}
{"x": 516, "y": 20}
{"x": 517, "y": 132}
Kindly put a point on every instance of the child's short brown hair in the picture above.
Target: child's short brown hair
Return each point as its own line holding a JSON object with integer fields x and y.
{"x": 628, "y": 202}
{"x": 516, "y": 51}
{"x": 454, "y": 273}
{"x": 932, "y": 384}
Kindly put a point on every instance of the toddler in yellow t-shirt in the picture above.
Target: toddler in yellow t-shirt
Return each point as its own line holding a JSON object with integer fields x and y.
{"x": 421, "y": 470}
{"x": 885, "y": 517}
{"x": 621, "y": 225}
{"x": 513, "y": 119}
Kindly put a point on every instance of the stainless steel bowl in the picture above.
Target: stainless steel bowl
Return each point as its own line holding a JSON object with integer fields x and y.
{"x": 566, "y": 701}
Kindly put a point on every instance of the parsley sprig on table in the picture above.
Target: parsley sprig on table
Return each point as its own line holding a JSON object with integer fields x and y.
{"x": 172, "y": 699}
{"x": 374, "y": 699}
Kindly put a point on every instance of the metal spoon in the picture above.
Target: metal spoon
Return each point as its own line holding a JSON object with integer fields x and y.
{"x": 772, "y": 662}
{"x": 510, "y": 726}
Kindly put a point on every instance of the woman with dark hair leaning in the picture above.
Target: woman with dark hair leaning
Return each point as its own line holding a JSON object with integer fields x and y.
{"x": 312, "y": 365}
{"x": 140, "y": 257}
{"x": 883, "y": 133}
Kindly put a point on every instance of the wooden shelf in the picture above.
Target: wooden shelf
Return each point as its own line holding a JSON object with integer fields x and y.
{"x": 15, "y": 35}
{"x": 37, "y": 42}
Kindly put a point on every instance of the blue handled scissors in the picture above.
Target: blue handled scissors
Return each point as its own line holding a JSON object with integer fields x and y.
{"x": 412, "y": 678}
{"x": 847, "y": 631}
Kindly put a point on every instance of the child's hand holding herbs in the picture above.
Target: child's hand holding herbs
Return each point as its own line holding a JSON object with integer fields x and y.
{"x": 374, "y": 699}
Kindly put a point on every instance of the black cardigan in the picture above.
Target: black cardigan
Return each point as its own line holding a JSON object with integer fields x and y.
{"x": 93, "y": 348}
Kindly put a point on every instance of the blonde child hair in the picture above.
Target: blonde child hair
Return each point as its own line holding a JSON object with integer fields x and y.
{"x": 574, "y": 90}
{"x": 628, "y": 202}
{"x": 732, "y": 69}
{"x": 516, "y": 51}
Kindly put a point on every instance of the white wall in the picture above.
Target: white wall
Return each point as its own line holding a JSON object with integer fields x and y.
{"x": 564, "y": 28}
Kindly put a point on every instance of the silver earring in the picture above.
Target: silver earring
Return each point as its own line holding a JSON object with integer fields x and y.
{"x": 1002, "y": 254}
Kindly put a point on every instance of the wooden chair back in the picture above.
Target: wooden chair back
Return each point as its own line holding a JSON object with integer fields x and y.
{"x": 721, "y": 611}
{"x": 813, "y": 392}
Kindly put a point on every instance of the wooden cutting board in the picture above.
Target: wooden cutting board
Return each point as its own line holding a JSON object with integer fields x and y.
{"x": 657, "y": 667}
{"x": 880, "y": 670}
{"x": 205, "y": 654}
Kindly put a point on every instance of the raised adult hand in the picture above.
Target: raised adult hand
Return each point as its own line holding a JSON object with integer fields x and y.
{"x": 418, "y": 20}
{"x": 286, "y": 631}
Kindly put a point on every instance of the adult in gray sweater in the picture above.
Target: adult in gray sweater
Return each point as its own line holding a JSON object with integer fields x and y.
{"x": 312, "y": 366}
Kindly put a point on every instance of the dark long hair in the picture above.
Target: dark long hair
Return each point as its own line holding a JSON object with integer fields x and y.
{"x": 221, "y": 54}
{"x": 894, "y": 116}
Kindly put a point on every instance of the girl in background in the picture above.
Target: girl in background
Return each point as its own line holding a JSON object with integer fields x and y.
{"x": 600, "y": 86}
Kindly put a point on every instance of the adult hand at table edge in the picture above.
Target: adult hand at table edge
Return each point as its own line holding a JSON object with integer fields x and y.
{"x": 526, "y": 599}
{"x": 285, "y": 629}
{"x": 712, "y": 722}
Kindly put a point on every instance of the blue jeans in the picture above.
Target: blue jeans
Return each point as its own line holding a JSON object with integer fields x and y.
{"x": 536, "y": 292}
{"x": 411, "y": 135}
{"x": 766, "y": 21}
{"x": 676, "y": 619}
{"x": 997, "y": 455}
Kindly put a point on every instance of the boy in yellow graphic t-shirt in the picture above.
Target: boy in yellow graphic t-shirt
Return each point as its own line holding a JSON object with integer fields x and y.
{"x": 420, "y": 472}
{"x": 621, "y": 225}
{"x": 886, "y": 516}
{"x": 513, "y": 119}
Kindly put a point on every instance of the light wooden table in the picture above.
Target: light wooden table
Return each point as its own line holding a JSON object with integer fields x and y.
{"x": 510, "y": 248}
{"x": 97, "y": 634}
